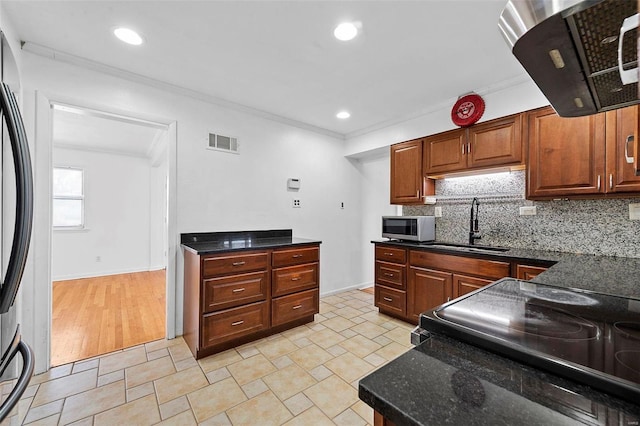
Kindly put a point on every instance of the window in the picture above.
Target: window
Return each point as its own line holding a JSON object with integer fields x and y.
{"x": 68, "y": 197}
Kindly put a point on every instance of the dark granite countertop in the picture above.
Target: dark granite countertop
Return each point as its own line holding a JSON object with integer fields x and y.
{"x": 616, "y": 276}
{"x": 217, "y": 242}
{"x": 444, "y": 381}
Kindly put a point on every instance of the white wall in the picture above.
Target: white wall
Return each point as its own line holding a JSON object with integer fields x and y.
{"x": 374, "y": 170}
{"x": 220, "y": 191}
{"x": 510, "y": 100}
{"x": 117, "y": 217}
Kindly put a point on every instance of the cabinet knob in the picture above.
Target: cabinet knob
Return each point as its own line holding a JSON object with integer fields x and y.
{"x": 610, "y": 180}
{"x": 295, "y": 256}
{"x": 233, "y": 324}
{"x": 297, "y": 307}
{"x": 238, "y": 290}
{"x": 387, "y": 274}
{"x": 388, "y": 254}
{"x": 238, "y": 263}
{"x": 387, "y": 299}
{"x": 598, "y": 182}
{"x": 295, "y": 279}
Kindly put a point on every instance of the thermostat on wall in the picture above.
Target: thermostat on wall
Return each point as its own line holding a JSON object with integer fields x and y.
{"x": 293, "y": 183}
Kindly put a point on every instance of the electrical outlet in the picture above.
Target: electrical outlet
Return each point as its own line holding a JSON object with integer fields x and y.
{"x": 296, "y": 204}
{"x": 634, "y": 211}
{"x": 342, "y": 205}
{"x": 528, "y": 211}
{"x": 438, "y": 211}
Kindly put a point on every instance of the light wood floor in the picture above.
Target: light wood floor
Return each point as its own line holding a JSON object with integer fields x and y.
{"x": 93, "y": 316}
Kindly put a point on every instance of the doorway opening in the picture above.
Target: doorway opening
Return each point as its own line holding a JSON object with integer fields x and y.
{"x": 109, "y": 234}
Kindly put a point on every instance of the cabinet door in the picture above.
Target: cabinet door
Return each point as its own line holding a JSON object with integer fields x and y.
{"x": 566, "y": 155}
{"x": 463, "y": 284}
{"x": 427, "y": 289}
{"x": 526, "y": 272}
{"x": 622, "y": 125}
{"x": 445, "y": 152}
{"x": 496, "y": 143}
{"x": 406, "y": 172}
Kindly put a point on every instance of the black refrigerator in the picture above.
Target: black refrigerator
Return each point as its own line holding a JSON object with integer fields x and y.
{"x": 16, "y": 208}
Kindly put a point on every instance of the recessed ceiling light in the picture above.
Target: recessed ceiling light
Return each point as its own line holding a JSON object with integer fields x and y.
{"x": 346, "y": 31}
{"x": 343, "y": 115}
{"x": 128, "y": 36}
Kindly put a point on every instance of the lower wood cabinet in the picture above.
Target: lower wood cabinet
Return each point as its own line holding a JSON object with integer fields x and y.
{"x": 409, "y": 282}
{"x": 231, "y": 298}
{"x": 294, "y": 306}
{"x": 528, "y": 272}
{"x": 222, "y": 326}
{"x": 427, "y": 288}
{"x": 391, "y": 301}
{"x": 463, "y": 284}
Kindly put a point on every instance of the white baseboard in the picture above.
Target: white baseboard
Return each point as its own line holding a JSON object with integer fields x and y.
{"x": 104, "y": 273}
{"x": 340, "y": 290}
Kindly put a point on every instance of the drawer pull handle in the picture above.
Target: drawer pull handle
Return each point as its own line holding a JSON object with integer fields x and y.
{"x": 238, "y": 263}
{"x": 387, "y": 274}
{"x": 297, "y": 307}
{"x": 237, "y": 323}
{"x": 388, "y": 254}
{"x": 238, "y": 290}
{"x": 295, "y": 279}
{"x": 295, "y": 256}
{"x": 388, "y": 299}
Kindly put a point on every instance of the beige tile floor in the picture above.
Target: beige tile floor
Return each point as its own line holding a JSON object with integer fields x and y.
{"x": 304, "y": 376}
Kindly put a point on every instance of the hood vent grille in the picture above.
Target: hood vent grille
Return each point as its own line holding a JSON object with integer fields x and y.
{"x": 594, "y": 27}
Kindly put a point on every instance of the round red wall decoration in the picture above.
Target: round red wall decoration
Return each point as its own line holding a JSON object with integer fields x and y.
{"x": 467, "y": 110}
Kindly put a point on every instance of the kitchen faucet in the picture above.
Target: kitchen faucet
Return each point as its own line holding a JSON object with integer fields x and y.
{"x": 473, "y": 223}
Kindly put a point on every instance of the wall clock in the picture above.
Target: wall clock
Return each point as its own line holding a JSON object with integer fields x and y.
{"x": 467, "y": 110}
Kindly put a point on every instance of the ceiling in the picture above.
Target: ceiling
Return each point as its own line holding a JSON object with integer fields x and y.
{"x": 280, "y": 57}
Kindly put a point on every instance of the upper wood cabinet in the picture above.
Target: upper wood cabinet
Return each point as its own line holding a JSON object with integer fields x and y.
{"x": 408, "y": 184}
{"x": 491, "y": 144}
{"x": 622, "y": 133}
{"x": 581, "y": 156}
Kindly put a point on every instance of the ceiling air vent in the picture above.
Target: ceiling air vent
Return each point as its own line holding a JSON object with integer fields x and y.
{"x": 223, "y": 143}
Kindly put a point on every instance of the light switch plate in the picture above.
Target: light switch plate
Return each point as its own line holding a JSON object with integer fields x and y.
{"x": 438, "y": 211}
{"x": 634, "y": 211}
{"x": 528, "y": 211}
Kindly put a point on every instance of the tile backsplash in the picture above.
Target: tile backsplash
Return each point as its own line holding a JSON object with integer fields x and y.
{"x": 599, "y": 227}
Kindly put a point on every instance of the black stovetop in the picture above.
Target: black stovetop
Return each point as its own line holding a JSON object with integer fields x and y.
{"x": 588, "y": 337}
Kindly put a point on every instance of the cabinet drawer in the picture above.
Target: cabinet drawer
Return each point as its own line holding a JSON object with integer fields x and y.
{"x": 391, "y": 300}
{"x": 294, "y": 306}
{"x": 294, "y": 278}
{"x": 391, "y": 254}
{"x": 230, "y": 264}
{"x": 234, "y": 290}
{"x": 233, "y": 323}
{"x": 295, "y": 256}
{"x": 390, "y": 274}
{"x": 463, "y": 284}
{"x": 527, "y": 272}
{"x": 468, "y": 265}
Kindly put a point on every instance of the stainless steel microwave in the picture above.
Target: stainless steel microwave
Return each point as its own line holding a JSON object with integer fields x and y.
{"x": 411, "y": 228}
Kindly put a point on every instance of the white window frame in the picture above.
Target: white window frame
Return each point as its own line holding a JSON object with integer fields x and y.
{"x": 82, "y": 226}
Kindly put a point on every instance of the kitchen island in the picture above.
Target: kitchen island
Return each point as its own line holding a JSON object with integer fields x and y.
{"x": 446, "y": 381}
{"x": 246, "y": 285}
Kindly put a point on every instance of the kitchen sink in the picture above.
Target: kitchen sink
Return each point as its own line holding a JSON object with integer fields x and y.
{"x": 467, "y": 248}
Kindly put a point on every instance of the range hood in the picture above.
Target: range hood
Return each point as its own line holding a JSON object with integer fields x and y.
{"x": 570, "y": 50}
